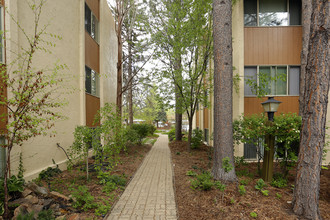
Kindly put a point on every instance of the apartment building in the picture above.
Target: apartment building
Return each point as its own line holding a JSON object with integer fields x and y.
{"x": 267, "y": 38}
{"x": 89, "y": 49}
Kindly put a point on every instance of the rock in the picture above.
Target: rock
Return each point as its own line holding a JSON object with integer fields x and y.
{"x": 54, "y": 207}
{"x": 37, "y": 189}
{"x": 47, "y": 203}
{"x": 26, "y": 192}
{"x": 35, "y": 209}
{"x": 59, "y": 195}
{"x": 22, "y": 209}
{"x": 31, "y": 199}
{"x": 74, "y": 217}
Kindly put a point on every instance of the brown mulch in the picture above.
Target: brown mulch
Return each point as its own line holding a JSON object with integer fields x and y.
{"x": 213, "y": 204}
{"x": 130, "y": 161}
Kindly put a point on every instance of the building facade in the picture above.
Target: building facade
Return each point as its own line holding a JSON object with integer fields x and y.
{"x": 88, "y": 47}
{"x": 267, "y": 39}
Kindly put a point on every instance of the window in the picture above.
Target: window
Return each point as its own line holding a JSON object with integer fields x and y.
{"x": 91, "y": 23}
{"x": 275, "y": 80}
{"x": 272, "y": 13}
{"x": 92, "y": 82}
{"x": 206, "y": 135}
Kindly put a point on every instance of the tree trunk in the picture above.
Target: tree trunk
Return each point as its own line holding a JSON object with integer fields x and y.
{"x": 119, "y": 71}
{"x": 178, "y": 120}
{"x": 306, "y": 24}
{"x": 130, "y": 80}
{"x": 190, "y": 119}
{"x": 223, "y": 87}
{"x": 306, "y": 192}
{"x": 6, "y": 209}
{"x": 178, "y": 102}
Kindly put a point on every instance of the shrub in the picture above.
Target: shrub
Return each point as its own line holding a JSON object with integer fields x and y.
{"x": 226, "y": 165}
{"x": 203, "y": 181}
{"x": 191, "y": 173}
{"x": 15, "y": 185}
{"x": 196, "y": 138}
{"x": 131, "y": 135}
{"x": 171, "y": 134}
{"x": 279, "y": 181}
{"x": 106, "y": 177}
{"x": 253, "y": 215}
{"x": 260, "y": 184}
{"x": 286, "y": 129}
{"x": 278, "y": 195}
{"x": 220, "y": 186}
{"x": 82, "y": 198}
{"x": 241, "y": 190}
{"x": 142, "y": 130}
{"x": 244, "y": 182}
{"x": 109, "y": 187}
{"x": 244, "y": 172}
{"x": 49, "y": 172}
{"x": 46, "y": 215}
{"x": 265, "y": 192}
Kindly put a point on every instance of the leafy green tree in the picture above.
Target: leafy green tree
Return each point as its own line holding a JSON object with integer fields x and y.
{"x": 31, "y": 107}
{"x": 182, "y": 33}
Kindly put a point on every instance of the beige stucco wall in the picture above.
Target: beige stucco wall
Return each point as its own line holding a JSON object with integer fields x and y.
{"x": 108, "y": 55}
{"x": 238, "y": 63}
{"x": 65, "y": 18}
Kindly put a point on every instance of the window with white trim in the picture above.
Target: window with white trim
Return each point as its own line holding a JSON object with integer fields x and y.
{"x": 275, "y": 80}
{"x": 272, "y": 12}
{"x": 91, "y": 23}
{"x": 92, "y": 82}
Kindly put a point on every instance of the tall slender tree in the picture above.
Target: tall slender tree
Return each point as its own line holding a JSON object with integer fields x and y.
{"x": 315, "y": 102}
{"x": 306, "y": 24}
{"x": 223, "y": 87}
{"x": 184, "y": 38}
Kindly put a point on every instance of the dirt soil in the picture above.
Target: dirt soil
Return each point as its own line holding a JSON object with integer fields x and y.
{"x": 213, "y": 204}
{"x": 129, "y": 162}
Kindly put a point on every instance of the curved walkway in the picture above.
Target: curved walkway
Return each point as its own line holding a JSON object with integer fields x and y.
{"x": 150, "y": 193}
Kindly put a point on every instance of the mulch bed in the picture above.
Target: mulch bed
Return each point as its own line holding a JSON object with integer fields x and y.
{"x": 213, "y": 204}
{"x": 129, "y": 162}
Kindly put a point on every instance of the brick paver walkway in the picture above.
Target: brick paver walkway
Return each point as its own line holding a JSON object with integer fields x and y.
{"x": 150, "y": 193}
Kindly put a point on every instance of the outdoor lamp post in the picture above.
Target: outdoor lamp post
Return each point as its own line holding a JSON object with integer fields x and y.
{"x": 270, "y": 106}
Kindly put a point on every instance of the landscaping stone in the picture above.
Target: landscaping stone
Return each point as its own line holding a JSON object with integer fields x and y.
{"x": 59, "y": 196}
{"x": 74, "y": 217}
{"x": 31, "y": 199}
{"x": 37, "y": 189}
{"x": 26, "y": 192}
{"x": 47, "y": 203}
{"x": 22, "y": 209}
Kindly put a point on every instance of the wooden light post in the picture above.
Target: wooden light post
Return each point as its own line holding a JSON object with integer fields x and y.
{"x": 270, "y": 106}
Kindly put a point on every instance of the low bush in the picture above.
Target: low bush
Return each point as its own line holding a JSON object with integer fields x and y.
{"x": 196, "y": 138}
{"x": 203, "y": 181}
{"x": 279, "y": 181}
{"x": 143, "y": 130}
{"x": 82, "y": 198}
{"x": 171, "y": 134}
{"x": 219, "y": 186}
{"x": 131, "y": 135}
{"x": 241, "y": 190}
{"x": 260, "y": 184}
